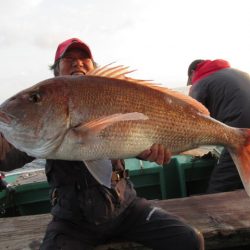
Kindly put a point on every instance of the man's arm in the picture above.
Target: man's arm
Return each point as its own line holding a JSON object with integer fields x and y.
{"x": 10, "y": 157}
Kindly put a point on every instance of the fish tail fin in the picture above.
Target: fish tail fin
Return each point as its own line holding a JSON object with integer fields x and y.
{"x": 241, "y": 158}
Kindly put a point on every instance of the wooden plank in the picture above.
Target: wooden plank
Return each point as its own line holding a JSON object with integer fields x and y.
{"x": 23, "y": 232}
{"x": 223, "y": 218}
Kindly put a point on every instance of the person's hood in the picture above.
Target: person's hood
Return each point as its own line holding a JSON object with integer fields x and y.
{"x": 207, "y": 68}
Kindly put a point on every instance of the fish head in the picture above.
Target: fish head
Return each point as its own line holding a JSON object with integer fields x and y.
{"x": 35, "y": 119}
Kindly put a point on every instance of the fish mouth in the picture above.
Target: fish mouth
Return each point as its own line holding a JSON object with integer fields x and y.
{"x": 5, "y": 118}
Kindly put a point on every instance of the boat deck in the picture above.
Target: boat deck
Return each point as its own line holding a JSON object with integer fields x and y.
{"x": 223, "y": 218}
{"x": 29, "y": 177}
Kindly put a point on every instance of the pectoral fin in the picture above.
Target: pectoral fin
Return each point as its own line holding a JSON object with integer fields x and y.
{"x": 89, "y": 131}
{"x": 101, "y": 170}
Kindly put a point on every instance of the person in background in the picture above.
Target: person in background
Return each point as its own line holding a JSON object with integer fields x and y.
{"x": 225, "y": 92}
{"x": 86, "y": 213}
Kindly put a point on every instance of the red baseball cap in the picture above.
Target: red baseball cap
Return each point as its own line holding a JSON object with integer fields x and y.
{"x": 69, "y": 44}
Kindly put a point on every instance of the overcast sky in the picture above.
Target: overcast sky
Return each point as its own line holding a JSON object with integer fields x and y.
{"x": 159, "y": 38}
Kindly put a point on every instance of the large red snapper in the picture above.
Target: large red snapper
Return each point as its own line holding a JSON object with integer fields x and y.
{"x": 105, "y": 115}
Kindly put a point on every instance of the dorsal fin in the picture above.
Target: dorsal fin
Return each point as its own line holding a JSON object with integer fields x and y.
{"x": 120, "y": 72}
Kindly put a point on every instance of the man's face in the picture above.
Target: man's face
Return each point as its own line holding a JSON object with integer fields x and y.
{"x": 75, "y": 62}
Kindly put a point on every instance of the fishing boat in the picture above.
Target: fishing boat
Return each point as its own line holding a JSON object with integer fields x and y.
{"x": 27, "y": 191}
{"x": 178, "y": 187}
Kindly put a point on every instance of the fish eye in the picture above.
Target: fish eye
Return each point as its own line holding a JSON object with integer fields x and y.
{"x": 34, "y": 97}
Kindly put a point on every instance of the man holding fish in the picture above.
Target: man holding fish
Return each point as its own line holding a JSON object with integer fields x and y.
{"x": 93, "y": 200}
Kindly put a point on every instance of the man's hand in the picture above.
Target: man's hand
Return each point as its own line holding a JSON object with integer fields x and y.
{"x": 157, "y": 153}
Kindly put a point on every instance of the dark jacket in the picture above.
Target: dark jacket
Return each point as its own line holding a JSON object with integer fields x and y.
{"x": 78, "y": 197}
{"x": 226, "y": 94}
